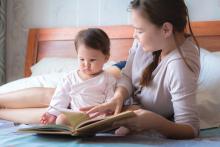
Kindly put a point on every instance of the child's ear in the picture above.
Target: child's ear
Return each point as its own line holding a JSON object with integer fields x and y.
{"x": 107, "y": 58}
{"x": 167, "y": 29}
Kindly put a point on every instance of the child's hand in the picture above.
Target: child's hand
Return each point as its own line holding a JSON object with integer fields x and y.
{"x": 48, "y": 119}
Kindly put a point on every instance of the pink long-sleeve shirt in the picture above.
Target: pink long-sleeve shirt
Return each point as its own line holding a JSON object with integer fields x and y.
{"x": 173, "y": 88}
{"x": 75, "y": 93}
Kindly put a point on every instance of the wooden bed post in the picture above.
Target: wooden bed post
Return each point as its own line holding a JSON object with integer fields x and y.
{"x": 31, "y": 51}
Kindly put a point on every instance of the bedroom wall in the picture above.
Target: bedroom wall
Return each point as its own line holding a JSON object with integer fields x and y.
{"x": 25, "y": 14}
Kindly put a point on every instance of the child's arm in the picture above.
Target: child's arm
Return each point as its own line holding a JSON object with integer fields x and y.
{"x": 61, "y": 97}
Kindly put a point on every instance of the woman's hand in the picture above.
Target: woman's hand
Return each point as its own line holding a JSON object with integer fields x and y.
{"x": 147, "y": 120}
{"x": 143, "y": 121}
{"x": 113, "y": 106}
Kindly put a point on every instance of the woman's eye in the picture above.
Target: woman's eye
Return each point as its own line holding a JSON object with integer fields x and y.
{"x": 81, "y": 59}
{"x": 139, "y": 32}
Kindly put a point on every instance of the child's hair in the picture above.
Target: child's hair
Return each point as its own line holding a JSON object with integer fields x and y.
{"x": 158, "y": 12}
{"x": 94, "y": 38}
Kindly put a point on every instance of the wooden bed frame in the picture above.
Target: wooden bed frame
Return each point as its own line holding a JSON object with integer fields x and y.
{"x": 59, "y": 42}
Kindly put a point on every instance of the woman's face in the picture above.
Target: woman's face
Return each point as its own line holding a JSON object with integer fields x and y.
{"x": 149, "y": 36}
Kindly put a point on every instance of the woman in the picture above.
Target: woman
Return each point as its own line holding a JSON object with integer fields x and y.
{"x": 161, "y": 72}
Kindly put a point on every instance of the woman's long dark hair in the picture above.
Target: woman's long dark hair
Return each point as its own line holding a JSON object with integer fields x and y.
{"x": 158, "y": 12}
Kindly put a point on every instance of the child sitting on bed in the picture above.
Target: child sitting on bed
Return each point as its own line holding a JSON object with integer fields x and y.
{"x": 89, "y": 85}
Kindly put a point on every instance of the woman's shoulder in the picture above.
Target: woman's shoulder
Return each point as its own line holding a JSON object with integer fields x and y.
{"x": 179, "y": 67}
{"x": 189, "y": 52}
{"x": 190, "y": 62}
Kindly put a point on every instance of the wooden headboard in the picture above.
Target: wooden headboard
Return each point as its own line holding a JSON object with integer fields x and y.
{"x": 59, "y": 42}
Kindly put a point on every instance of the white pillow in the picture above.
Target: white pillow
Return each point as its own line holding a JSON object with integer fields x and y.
{"x": 208, "y": 94}
{"x": 216, "y": 53}
{"x": 47, "y": 80}
{"x": 56, "y": 65}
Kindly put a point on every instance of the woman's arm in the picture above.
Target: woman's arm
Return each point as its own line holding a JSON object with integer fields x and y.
{"x": 147, "y": 120}
{"x": 174, "y": 130}
{"x": 182, "y": 86}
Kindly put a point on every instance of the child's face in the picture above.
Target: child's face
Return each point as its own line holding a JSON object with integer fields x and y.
{"x": 91, "y": 61}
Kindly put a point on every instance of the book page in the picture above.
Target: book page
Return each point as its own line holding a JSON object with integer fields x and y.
{"x": 74, "y": 117}
{"x": 100, "y": 125}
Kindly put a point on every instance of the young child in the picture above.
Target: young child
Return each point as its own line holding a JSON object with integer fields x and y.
{"x": 89, "y": 85}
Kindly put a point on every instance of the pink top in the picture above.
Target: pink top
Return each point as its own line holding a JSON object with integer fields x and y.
{"x": 77, "y": 93}
{"x": 173, "y": 88}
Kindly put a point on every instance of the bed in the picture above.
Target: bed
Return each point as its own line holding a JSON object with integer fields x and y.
{"x": 49, "y": 47}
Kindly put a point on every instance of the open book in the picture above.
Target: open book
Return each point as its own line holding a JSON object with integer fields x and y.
{"x": 81, "y": 124}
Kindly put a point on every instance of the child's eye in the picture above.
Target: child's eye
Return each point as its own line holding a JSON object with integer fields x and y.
{"x": 81, "y": 59}
{"x": 92, "y": 60}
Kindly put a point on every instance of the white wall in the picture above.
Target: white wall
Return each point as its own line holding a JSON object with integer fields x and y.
{"x": 25, "y": 14}
{"x": 204, "y": 9}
